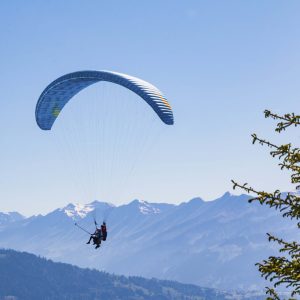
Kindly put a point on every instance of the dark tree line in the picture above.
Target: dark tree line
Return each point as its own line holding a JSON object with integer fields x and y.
{"x": 24, "y": 276}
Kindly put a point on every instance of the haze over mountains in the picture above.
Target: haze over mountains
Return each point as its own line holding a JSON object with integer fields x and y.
{"x": 27, "y": 277}
{"x": 213, "y": 244}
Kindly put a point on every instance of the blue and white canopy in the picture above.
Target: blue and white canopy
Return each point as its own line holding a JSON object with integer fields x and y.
{"x": 60, "y": 91}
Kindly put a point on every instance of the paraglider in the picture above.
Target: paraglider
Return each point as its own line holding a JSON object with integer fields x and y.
{"x": 58, "y": 93}
{"x": 104, "y": 231}
{"x": 97, "y": 237}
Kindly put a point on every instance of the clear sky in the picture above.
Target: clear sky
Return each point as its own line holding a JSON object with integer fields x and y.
{"x": 220, "y": 64}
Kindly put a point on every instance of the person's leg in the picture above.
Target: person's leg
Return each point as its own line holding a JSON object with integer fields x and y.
{"x": 89, "y": 240}
{"x": 97, "y": 242}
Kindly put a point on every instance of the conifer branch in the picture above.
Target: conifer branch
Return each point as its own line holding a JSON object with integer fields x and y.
{"x": 285, "y": 269}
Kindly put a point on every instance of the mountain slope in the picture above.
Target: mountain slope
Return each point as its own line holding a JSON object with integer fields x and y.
{"x": 6, "y": 218}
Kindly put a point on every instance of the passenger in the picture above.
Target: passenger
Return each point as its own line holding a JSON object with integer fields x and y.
{"x": 96, "y": 237}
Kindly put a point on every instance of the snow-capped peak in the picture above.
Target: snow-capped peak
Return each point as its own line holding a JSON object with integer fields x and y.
{"x": 146, "y": 208}
{"x": 78, "y": 210}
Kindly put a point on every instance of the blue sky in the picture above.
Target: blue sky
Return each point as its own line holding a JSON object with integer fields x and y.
{"x": 220, "y": 64}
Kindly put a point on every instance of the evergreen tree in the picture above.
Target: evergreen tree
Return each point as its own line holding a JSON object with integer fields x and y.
{"x": 284, "y": 269}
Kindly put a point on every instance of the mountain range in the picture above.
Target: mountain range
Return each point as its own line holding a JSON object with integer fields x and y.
{"x": 209, "y": 243}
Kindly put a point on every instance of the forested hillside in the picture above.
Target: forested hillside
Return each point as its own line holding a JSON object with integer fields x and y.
{"x": 24, "y": 276}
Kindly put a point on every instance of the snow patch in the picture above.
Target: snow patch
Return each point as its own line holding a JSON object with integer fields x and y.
{"x": 78, "y": 210}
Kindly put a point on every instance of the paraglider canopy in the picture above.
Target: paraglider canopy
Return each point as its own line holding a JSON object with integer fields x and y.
{"x": 60, "y": 91}
{"x": 103, "y": 139}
